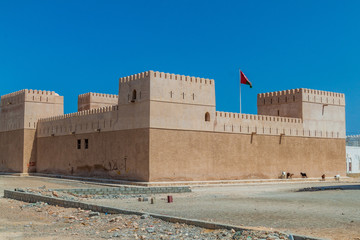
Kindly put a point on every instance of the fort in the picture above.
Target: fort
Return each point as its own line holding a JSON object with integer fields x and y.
{"x": 165, "y": 127}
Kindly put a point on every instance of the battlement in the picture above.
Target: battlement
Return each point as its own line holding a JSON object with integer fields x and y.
{"x": 29, "y": 95}
{"x": 219, "y": 114}
{"x": 184, "y": 78}
{"x": 162, "y": 75}
{"x": 323, "y": 97}
{"x": 301, "y": 94}
{"x": 81, "y": 113}
{"x": 91, "y": 100}
{"x": 134, "y": 77}
{"x": 97, "y": 95}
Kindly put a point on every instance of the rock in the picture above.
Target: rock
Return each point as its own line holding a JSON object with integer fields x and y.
{"x": 150, "y": 229}
{"x": 237, "y": 235}
{"x": 93, "y": 214}
{"x": 144, "y": 216}
{"x": 116, "y": 235}
{"x": 54, "y": 193}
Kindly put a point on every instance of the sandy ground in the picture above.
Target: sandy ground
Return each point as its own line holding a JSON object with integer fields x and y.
{"x": 328, "y": 214}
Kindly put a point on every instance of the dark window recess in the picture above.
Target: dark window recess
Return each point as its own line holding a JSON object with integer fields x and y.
{"x": 207, "y": 117}
{"x": 86, "y": 143}
{"x": 79, "y": 144}
{"x": 133, "y": 99}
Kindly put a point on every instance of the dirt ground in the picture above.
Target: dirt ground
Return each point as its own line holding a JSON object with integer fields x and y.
{"x": 331, "y": 214}
{"x": 327, "y": 214}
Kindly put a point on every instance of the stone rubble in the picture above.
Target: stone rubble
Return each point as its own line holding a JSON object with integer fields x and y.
{"x": 95, "y": 225}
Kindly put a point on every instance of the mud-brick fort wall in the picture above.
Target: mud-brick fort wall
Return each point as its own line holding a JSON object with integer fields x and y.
{"x": 111, "y": 141}
{"x": 165, "y": 127}
{"x": 319, "y": 110}
{"x": 88, "y": 101}
{"x": 19, "y": 115}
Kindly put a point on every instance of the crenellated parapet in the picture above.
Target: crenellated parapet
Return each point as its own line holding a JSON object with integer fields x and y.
{"x": 85, "y": 96}
{"x": 79, "y": 114}
{"x": 29, "y": 95}
{"x": 268, "y": 125}
{"x": 279, "y": 97}
{"x": 323, "y": 97}
{"x": 166, "y": 88}
{"x": 162, "y": 75}
{"x": 135, "y": 77}
{"x": 300, "y": 95}
{"x": 190, "y": 79}
{"x": 92, "y": 100}
{"x": 255, "y": 117}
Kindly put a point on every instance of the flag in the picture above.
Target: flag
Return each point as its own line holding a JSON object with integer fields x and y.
{"x": 244, "y": 79}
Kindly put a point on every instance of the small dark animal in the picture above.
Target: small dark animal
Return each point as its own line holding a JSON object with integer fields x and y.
{"x": 323, "y": 177}
{"x": 289, "y": 175}
{"x": 303, "y": 175}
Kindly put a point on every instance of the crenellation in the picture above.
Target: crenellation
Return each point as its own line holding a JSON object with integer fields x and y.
{"x": 81, "y": 113}
{"x": 184, "y": 78}
{"x": 154, "y": 109}
{"x": 302, "y": 94}
{"x": 255, "y": 117}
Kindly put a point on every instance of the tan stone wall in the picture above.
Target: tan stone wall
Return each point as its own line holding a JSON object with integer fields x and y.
{"x": 88, "y": 101}
{"x": 282, "y": 103}
{"x": 322, "y": 112}
{"x": 259, "y": 124}
{"x": 117, "y": 154}
{"x": 29, "y": 162}
{"x": 11, "y": 151}
{"x": 24, "y": 108}
{"x": 194, "y": 155}
{"x": 128, "y": 116}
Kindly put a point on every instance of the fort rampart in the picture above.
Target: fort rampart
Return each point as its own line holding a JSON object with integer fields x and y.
{"x": 165, "y": 126}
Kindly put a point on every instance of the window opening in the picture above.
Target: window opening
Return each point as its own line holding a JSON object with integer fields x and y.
{"x": 133, "y": 98}
{"x": 207, "y": 117}
{"x": 86, "y": 143}
{"x": 79, "y": 144}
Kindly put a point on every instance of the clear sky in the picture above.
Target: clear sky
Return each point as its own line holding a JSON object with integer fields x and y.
{"x": 74, "y": 47}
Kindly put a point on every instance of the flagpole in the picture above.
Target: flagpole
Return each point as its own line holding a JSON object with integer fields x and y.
{"x": 240, "y": 88}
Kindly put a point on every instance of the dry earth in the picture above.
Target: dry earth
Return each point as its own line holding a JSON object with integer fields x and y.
{"x": 327, "y": 214}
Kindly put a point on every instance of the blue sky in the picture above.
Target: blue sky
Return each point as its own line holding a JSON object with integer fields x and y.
{"x": 73, "y": 47}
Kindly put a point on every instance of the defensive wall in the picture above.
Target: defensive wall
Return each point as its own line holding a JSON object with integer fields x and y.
{"x": 319, "y": 110}
{"x": 165, "y": 127}
{"x": 20, "y": 112}
{"x": 88, "y": 101}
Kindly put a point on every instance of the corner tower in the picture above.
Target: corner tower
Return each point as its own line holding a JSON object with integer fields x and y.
{"x": 320, "y": 110}
{"x": 169, "y": 101}
{"x": 20, "y": 112}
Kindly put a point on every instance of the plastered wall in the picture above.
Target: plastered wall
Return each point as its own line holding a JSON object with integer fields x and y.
{"x": 195, "y": 155}
{"x": 165, "y": 127}
{"x": 11, "y": 151}
{"x": 88, "y": 101}
{"x": 321, "y": 112}
{"x": 118, "y": 154}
